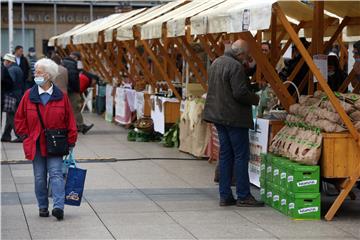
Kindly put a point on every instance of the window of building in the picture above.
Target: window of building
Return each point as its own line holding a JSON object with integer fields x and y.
{"x": 29, "y": 39}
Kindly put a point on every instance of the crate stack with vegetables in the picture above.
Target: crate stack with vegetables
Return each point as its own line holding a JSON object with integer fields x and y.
{"x": 289, "y": 174}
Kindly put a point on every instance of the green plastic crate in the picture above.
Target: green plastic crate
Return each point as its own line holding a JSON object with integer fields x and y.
{"x": 283, "y": 201}
{"x": 263, "y": 165}
{"x": 283, "y": 172}
{"x": 262, "y": 189}
{"x": 303, "y": 179}
{"x": 304, "y": 206}
{"x": 275, "y": 197}
{"x": 269, "y": 173}
{"x": 269, "y": 193}
{"x": 276, "y": 170}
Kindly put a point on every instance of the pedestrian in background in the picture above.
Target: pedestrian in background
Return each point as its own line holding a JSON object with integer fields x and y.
{"x": 55, "y": 110}
{"x": 73, "y": 65}
{"x": 23, "y": 63}
{"x": 61, "y": 80}
{"x": 15, "y": 91}
{"x": 229, "y": 106}
{"x": 32, "y": 59}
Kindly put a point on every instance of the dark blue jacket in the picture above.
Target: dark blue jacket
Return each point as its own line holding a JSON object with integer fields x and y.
{"x": 16, "y": 75}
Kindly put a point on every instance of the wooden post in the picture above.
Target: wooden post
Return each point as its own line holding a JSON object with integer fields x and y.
{"x": 350, "y": 182}
{"x": 269, "y": 71}
{"x": 273, "y": 50}
{"x": 334, "y": 37}
{"x": 347, "y": 81}
{"x": 205, "y": 45}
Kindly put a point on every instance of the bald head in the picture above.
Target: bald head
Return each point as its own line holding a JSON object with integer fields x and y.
{"x": 240, "y": 48}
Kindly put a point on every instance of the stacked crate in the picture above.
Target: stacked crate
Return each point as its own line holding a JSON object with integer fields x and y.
{"x": 289, "y": 187}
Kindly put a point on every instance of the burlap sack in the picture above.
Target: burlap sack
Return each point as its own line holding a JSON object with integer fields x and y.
{"x": 294, "y": 118}
{"x": 327, "y": 115}
{"x": 355, "y": 116}
{"x": 311, "y": 118}
{"x": 311, "y": 151}
{"x": 277, "y": 140}
{"x": 291, "y": 134}
{"x": 357, "y": 125}
{"x": 319, "y": 94}
{"x": 308, "y": 100}
{"x": 357, "y": 104}
{"x": 295, "y": 147}
{"x": 294, "y": 109}
{"x": 347, "y": 106}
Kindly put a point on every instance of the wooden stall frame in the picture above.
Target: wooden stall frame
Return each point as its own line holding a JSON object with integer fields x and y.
{"x": 349, "y": 182}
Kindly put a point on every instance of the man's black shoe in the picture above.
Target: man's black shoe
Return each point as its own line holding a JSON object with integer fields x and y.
{"x": 86, "y": 128}
{"x": 43, "y": 212}
{"x": 58, "y": 213}
{"x": 250, "y": 201}
{"x": 228, "y": 202}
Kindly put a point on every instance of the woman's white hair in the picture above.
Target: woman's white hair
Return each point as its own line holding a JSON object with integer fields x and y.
{"x": 48, "y": 66}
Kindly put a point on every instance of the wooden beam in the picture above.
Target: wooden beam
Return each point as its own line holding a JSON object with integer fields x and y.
{"x": 289, "y": 41}
{"x": 334, "y": 101}
{"x": 100, "y": 65}
{"x": 204, "y": 43}
{"x": 172, "y": 65}
{"x": 213, "y": 43}
{"x": 273, "y": 49}
{"x": 195, "y": 57}
{"x": 130, "y": 46}
{"x": 347, "y": 81}
{"x": 269, "y": 71}
{"x": 158, "y": 65}
{"x": 190, "y": 60}
{"x": 339, "y": 29}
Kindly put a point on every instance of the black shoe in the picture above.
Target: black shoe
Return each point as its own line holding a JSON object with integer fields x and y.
{"x": 58, "y": 213}
{"x": 17, "y": 140}
{"x": 86, "y": 128}
{"x": 250, "y": 201}
{"x": 43, "y": 212}
{"x": 5, "y": 139}
{"x": 229, "y": 202}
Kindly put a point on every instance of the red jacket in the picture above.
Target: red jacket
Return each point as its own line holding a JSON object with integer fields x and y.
{"x": 56, "y": 114}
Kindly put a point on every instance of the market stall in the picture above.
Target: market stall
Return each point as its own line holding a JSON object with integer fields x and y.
{"x": 143, "y": 47}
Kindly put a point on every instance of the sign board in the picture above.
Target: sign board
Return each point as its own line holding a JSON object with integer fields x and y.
{"x": 259, "y": 139}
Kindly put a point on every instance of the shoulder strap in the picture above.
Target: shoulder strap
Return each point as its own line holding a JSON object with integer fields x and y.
{"x": 39, "y": 114}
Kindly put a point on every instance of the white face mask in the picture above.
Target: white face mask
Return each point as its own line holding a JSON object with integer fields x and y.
{"x": 80, "y": 65}
{"x": 32, "y": 54}
{"x": 40, "y": 81}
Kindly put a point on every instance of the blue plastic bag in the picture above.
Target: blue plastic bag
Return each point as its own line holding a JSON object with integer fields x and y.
{"x": 75, "y": 182}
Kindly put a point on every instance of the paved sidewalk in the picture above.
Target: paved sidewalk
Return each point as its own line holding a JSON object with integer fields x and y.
{"x": 152, "y": 199}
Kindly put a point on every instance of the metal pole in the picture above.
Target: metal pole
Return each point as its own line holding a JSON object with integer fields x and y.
{"x": 23, "y": 23}
{"x": 91, "y": 12}
{"x": 11, "y": 26}
{"x": 55, "y": 19}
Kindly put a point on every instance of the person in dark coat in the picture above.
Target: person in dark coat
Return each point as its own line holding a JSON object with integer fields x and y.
{"x": 290, "y": 66}
{"x": 71, "y": 63}
{"x": 32, "y": 59}
{"x": 229, "y": 106}
{"x": 336, "y": 75}
{"x": 23, "y": 63}
{"x": 16, "y": 91}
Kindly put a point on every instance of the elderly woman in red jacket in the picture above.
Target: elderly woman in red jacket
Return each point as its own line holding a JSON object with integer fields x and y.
{"x": 56, "y": 113}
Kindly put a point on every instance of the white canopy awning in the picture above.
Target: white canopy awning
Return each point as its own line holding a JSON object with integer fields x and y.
{"x": 91, "y": 34}
{"x": 51, "y": 42}
{"x": 233, "y": 16}
{"x": 65, "y": 38}
{"x": 175, "y": 19}
{"x": 125, "y": 31}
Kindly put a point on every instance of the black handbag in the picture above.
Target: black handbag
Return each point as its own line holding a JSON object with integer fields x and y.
{"x": 56, "y": 139}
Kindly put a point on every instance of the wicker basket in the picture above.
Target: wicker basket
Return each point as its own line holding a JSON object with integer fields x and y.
{"x": 145, "y": 125}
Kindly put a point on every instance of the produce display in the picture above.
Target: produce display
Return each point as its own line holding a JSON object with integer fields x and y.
{"x": 300, "y": 140}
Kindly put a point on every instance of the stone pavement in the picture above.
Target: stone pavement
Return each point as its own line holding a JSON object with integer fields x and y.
{"x": 150, "y": 198}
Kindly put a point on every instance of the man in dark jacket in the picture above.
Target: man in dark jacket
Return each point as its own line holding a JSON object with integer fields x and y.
{"x": 23, "y": 63}
{"x": 32, "y": 59}
{"x": 71, "y": 64}
{"x": 16, "y": 92}
{"x": 229, "y": 106}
